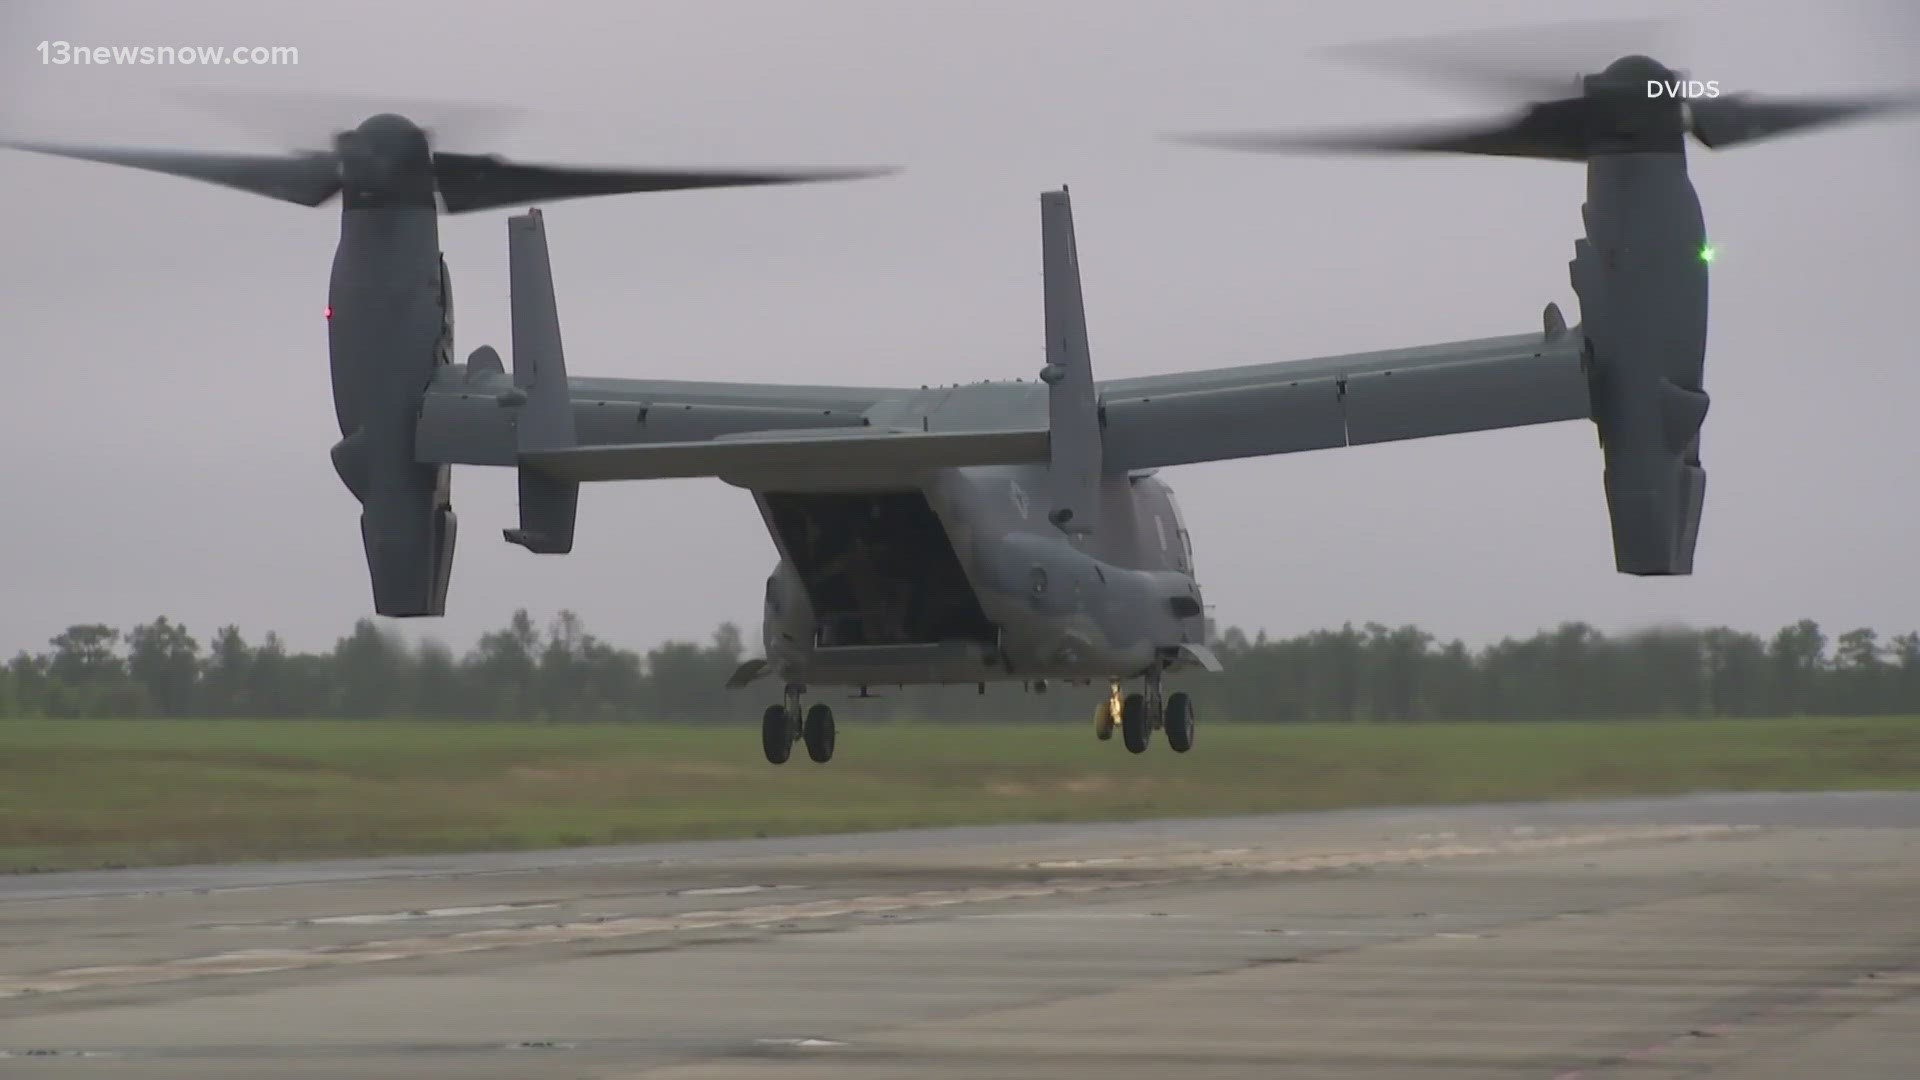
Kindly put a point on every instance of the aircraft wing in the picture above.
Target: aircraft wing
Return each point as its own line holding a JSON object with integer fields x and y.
{"x": 1352, "y": 400}
{"x": 469, "y": 415}
{"x": 837, "y": 449}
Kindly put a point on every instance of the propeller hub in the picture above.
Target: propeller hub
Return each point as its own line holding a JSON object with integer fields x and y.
{"x": 1635, "y": 104}
{"x": 1641, "y": 69}
{"x": 1631, "y": 79}
{"x": 386, "y": 163}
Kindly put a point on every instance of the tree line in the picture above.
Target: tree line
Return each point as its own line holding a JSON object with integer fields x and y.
{"x": 562, "y": 673}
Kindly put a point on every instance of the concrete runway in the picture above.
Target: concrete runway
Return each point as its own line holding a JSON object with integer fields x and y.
{"x": 1762, "y": 936}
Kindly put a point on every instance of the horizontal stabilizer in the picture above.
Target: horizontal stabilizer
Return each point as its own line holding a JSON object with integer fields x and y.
{"x": 825, "y": 448}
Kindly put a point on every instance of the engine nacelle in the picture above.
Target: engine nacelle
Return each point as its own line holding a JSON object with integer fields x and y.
{"x": 390, "y": 326}
{"x": 1641, "y": 275}
{"x": 407, "y": 526}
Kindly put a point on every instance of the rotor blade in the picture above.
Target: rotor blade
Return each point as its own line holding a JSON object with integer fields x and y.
{"x": 306, "y": 179}
{"x": 1525, "y": 62}
{"x": 1553, "y": 131}
{"x": 471, "y": 182}
{"x": 299, "y": 121}
{"x": 1731, "y": 121}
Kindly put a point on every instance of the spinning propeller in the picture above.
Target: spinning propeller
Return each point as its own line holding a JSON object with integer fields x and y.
{"x": 1641, "y": 269}
{"x": 1634, "y": 103}
{"x": 391, "y": 161}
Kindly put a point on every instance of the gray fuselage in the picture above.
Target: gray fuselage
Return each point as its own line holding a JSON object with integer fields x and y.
{"x": 961, "y": 578}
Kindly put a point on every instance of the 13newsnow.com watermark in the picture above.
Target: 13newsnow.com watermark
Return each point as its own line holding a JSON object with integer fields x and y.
{"x": 68, "y": 54}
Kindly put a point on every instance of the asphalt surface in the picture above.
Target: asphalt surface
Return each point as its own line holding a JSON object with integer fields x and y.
{"x": 1763, "y": 936}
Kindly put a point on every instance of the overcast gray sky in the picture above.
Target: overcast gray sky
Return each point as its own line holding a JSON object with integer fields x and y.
{"x": 167, "y": 415}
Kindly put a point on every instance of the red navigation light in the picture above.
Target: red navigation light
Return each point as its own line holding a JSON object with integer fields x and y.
{"x": 329, "y": 312}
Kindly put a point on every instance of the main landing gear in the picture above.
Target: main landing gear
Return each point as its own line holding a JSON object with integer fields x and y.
{"x": 783, "y": 725}
{"x": 1139, "y": 715}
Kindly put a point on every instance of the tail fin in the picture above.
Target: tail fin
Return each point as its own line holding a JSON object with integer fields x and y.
{"x": 1073, "y": 417}
{"x": 548, "y": 507}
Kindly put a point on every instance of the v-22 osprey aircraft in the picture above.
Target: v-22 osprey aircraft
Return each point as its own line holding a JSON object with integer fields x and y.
{"x": 1000, "y": 531}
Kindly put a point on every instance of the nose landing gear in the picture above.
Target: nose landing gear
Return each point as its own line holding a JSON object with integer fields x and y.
{"x": 783, "y": 725}
{"x": 777, "y": 734}
{"x": 1139, "y": 715}
{"x": 1179, "y": 721}
{"x": 819, "y": 733}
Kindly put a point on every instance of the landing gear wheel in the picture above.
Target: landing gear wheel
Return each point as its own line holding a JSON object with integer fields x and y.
{"x": 1103, "y": 720}
{"x": 1179, "y": 722}
{"x": 1136, "y": 727}
{"x": 776, "y": 734}
{"x": 819, "y": 733}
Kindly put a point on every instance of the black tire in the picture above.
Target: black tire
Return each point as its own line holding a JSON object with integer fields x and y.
{"x": 1179, "y": 722}
{"x": 1103, "y": 720}
{"x": 776, "y": 734}
{"x": 819, "y": 733}
{"x": 1135, "y": 726}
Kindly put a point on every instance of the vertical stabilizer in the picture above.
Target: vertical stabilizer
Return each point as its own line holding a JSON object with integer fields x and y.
{"x": 545, "y": 421}
{"x": 1073, "y": 411}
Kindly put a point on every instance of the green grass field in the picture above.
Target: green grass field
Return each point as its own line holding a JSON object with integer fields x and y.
{"x": 92, "y": 793}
